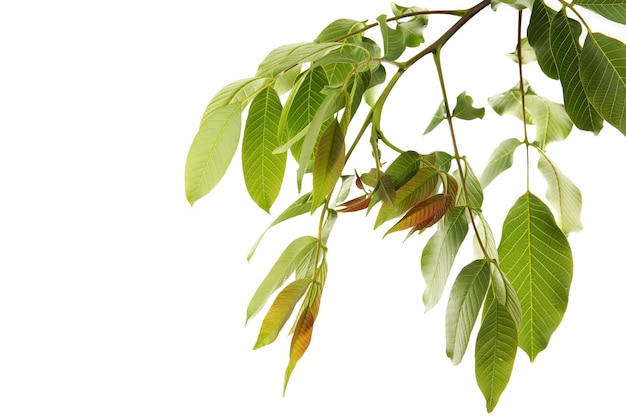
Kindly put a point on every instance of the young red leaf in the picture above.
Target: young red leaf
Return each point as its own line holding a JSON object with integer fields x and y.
{"x": 356, "y": 204}
{"x": 424, "y": 214}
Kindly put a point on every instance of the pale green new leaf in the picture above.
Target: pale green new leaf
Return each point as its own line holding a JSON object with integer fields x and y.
{"x": 212, "y": 150}
{"x": 496, "y": 347}
{"x": 393, "y": 39}
{"x": 614, "y": 10}
{"x": 439, "y": 253}
{"x": 500, "y": 160}
{"x": 263, "y": 170}
{"x": 566, "y": 49}
{"x": 341, "y": 28}
{"x": 280, "y": 311}
{"x": 603, "y": 75}
{"x": 485, "y": 235}
{"x": 473, "y": 187}
{"x": 330, "y": 158}
{"x": 301, "y": 206}
{"x": 440, "y": 116}
{"x": 528, "y": 53}
{"x": 564, "y": 196}
{"x": 539, "y": 37}
{"x": 466, "y": 298}
{"x": 298, "y": 251}
{"x": 535, "y": 255}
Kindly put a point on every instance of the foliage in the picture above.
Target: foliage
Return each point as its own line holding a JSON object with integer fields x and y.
{"x": 304, "y": 98}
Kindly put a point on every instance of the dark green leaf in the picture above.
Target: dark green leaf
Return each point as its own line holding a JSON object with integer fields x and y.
{"x": 539, "y": 37}
{"x": 212, "y": 150}
{"x": 603, "y": 74}
{"x": 439, "y": 253}
{"x": 614, "y": 10}
{"x": 535, "y": 255}
{"x": 466, "y": 298}
{"x": 564, "y": 35}
{"x": 263, "y": 170}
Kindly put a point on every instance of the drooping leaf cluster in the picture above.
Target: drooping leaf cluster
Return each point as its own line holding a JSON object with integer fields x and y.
{"x": 301, "y": 102}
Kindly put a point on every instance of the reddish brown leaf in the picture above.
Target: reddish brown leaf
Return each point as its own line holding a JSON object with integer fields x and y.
{"x": 356, "y": 204}
{"x": 424, "y": 214}
{"x": 359, "y": 183}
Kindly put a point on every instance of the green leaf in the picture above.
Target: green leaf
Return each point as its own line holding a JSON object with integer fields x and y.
{"x": 465, "y": 110}
{"x": 496, "y": 347}
{"x": 539, "y": 37}
{"x": 516, "y": 4}
{"x": 485, "y": 234}
{"x": 385, "y": 191}
{"x": 401, "y": 170}
{"x": 474, "y": 189}
{"x": 212, "y": 150}
{"x": 528, "y": 53}
{"x": 500, "y": 160}
{"x": 564, "y": 35}
{"x": 339, "y": 29}
{"x": 330, "y": 158}
{"x": 393, "y": 39}
{"x": 412, "y": 192}
{"x": 440, "y": 116}
{"x": 413, "y": 28}
{"x": 297, "y": 251}
{"x": 301, "y": 206}
{"x": 614, "y": 10}
{"x": 551, "y": 119}
{"x": 439, "y": 253}
{"x": 603, "y": 75}
{"x": 280, "y": 311}
{"x": 263, "y": 170}
{"x": 535, "y": 255}
{"x": 466, "y": 298}
{"x": 287, "y": 56}
{"x": 564, "y": 196}
{"x": 505, "y": 294}
{"x": 287, "y": 80}
{"x": 238, "y": 92}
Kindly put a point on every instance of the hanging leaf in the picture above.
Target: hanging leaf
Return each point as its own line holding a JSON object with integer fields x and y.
{"x": 413, "y": 28}
{"x": 329, "y": 161}
{"x": 614, "y": 10}
{"x": 238, "y": 92}
{"x": 287, "y": 56}
{"x": 263, "y": 170}
{"x": 603, "y": 75}
{"x": 212, "y": 150}
{"x": 386, "y": 191}
{"x": 466, "y": 298}
{"x": 393, "y": 39}
{"x": 500, "y": 160}
{"x": 528, "y": 53}
{"x": 496, "y": 347}
{"x": 356, "y": 204}
{"x": 535, "y": 255}
{"x": 485, "y": 235}
{"x": 474, "y": 189}
{"x": 539, "y": 37}
{"x": 439, "y": 254}
{"x": 297, "y": 251}
{"x": 564, "y": 35}
{"x": 564, "y": 196}
{"x": 280, "y": 311}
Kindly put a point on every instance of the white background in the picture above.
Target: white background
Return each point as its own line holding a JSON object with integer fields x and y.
{"x": 117, "y": 298}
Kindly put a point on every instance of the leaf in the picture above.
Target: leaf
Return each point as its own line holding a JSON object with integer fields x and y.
{"x": 564, "y": 196}
{"x": 280, "y": 311}
{"x": 500, "y": 160}
{"x": 535, "y": 255}
{"x": 287, "y": 80}
{"x": 440, "y": 116}
{"x": 465, "y": 110}
{"x": 263, "y": 170}
{"x": 486, "y": 237}
{"x": 424, "y": 214}
{"x": 301, "y": 206}
{"x": 411, "y": 29}
{"x": 466, "y": 298}
{"x": 496, "y": 347}
{"x": 386, "y": 191}
{"x": 539, "y": 37}
{"x": 292, "y": 256}
{"x": 564, "y": 35}
{"x": 439, "y": 253}
{"x": 603, "y": 75}
{"x": 238, "y": 92}
{"x": 303, "y": 330}
{"x": 287, "y": 56}
{"x": 403, "y": 168}
{"x": 339, "y": 29}
{"x": 393, "y": 39}
{"x": 329, "y": 161}
{"x": 614, "y": 10}
{"x": 412, "y": 192}
{"x": 528, "y": 53}
{"x": 551, "y": 119}
{"x": 212, "y": 150}
{"x": 356, "y": 204}
{"x": 474, "y": 189}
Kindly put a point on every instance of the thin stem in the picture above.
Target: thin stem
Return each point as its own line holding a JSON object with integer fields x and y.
{"x": 520, "y": 65}
{"x": 457, "y": 156}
